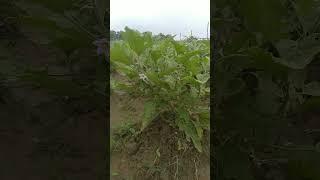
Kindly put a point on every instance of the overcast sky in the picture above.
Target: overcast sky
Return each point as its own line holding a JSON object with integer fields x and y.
{"x": 161, "y": 16}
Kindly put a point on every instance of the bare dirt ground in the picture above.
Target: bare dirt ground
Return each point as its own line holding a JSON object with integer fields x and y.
{"x": 153, "y": 154}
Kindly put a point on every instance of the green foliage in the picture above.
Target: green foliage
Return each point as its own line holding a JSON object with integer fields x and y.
{"x": 173, "y": 77}
{"x": 59, "y": 23}
{"x": 264, "y": 17}
{"x": 114, "y": 35}
{"x": 312, "y": 89}
{"x": 150, "y": 112}
{"x": 67, "y": 30}
{"x": 298, "y": 54}
{"x": 101, "y": 7}
{"x": 262, "y": 51}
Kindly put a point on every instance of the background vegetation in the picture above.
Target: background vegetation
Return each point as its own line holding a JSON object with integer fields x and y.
{"x": 53, "y": 88}
{"x": 266, "y": 89}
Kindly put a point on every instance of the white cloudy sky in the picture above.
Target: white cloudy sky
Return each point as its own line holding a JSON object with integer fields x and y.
{"x": 161, "y": 16}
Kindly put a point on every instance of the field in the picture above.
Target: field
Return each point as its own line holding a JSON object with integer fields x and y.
{"x": 159, "y": 107}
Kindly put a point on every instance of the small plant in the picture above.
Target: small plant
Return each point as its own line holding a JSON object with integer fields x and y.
{"x": 173, "y": 77}
{"x": 122, "y": 134}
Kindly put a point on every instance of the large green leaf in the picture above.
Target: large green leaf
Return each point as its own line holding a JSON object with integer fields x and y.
{"x": 194, "y": 65}
{"x": 298, "y": 54}
{"x": 136, "y": 40}
{"x": 263, "y": 60}
{"x": 121, "y": 52}
{"x": 54, "y": 29}
{"x": 204, "y": 118}
{"x": 185, "y": 123}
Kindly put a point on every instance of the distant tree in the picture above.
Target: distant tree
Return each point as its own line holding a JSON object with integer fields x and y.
{"x": 191, "y": 38}
{"x": 115, "y": 35}
{"x": 162, "y": 36}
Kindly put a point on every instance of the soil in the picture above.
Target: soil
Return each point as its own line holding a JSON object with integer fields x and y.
{"x": 154, "y": 154}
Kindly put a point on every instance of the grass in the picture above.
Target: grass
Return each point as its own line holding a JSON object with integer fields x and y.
{"x": 121, "y": 134}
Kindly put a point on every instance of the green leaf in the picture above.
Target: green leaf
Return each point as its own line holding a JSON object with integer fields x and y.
{"x": 154, "y": 78}
{"x": 199, "y": 128}
{"x": 204, "y": 116}
{"x": 121, "y": 52}
{"x": 203, "y": 78}
{"x": 264, "y": 16}
{"x": 43, "y": 23}
{"x": 171, "y": 81}
{"x": 121, "y": 86}
{"x": 150, "y": 112}
{"x": 193, "y": 65}
{"x": 312, "y": 88}
{"x": 264, "y": 60}
{"x": 125, "y": 70}
{"x": 308, "y": 12}
{"x": 298, "y": 54}
{"x": 185, "y": 123}
{"x": 158, "y": 152}
{"x": 136, "y": 40}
